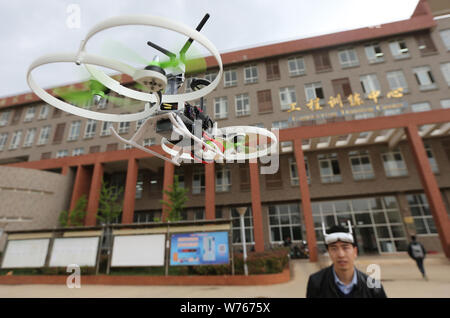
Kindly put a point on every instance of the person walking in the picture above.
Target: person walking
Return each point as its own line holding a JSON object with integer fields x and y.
{"x": 342, "y": 279}
{"x": 417, "y": 252}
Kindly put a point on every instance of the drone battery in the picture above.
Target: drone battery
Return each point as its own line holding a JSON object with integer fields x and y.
{"x": 169, "y": 106}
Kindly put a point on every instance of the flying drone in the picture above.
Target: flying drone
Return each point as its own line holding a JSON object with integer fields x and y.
{"x": 186, "y": 131}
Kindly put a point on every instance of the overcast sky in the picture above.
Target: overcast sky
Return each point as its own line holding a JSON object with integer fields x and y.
{"x": 30, "y": 29}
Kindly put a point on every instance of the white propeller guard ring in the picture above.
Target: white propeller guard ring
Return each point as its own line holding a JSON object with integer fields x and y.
{"x": 162, "y": 23}
{"x": 112, "y": 84}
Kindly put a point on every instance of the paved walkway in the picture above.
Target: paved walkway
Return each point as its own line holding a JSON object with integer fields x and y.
{"x": 400, "y": 278}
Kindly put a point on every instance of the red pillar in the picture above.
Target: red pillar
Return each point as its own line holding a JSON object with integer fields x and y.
{"x": 65, "y": 170}
{"x": 210, "y": 192}
{"x": 430, "y": 187}
{"x": 81, "y": 185}
{"x": 256, "y": 207}
{"x": 169, "y": 170}
{"x": 94, "y": 195}
{"x": 306, "y": 201}
{"x": 130, "y": 191}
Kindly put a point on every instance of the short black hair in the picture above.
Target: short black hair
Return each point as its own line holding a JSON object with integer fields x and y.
{"x": 413, "y": 237}
{"x": 339, "y": 229}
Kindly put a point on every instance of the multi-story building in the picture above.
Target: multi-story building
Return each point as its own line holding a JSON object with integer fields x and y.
{"x": 364, "y": 119}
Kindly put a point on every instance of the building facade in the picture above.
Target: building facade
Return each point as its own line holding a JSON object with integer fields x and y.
{"x": 364, "y": 119}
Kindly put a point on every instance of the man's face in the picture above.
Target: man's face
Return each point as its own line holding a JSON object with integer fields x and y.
{"x": 343, "y": 255}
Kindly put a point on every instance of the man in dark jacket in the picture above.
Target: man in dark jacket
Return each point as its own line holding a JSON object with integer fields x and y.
{"x": 417, "y": 252}
{"x": 342, "y": 279}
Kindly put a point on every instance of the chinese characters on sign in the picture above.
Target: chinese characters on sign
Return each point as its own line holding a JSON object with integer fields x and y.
{"x": 353, "y": 99}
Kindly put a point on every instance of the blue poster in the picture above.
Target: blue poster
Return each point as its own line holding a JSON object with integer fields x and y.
{"x": 206, "y": 248}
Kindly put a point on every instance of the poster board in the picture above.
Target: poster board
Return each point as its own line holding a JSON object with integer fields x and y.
{"x": 205, "y": 248}
{"x": 75, "y": 250}
{"x": 138, "y": 250}
{"x": 26, "y": 253}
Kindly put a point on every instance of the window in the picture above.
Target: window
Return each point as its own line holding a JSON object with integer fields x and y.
{"x": 94, "y": 149}
{"x": 425, "y": 43}
{"x": 78, "y": 151}
{"x": 127, "y": 146}
{"x": 445, "y": 68}
{"x": 74, "y": 130}
{"x": 294, "y": 172}
{"x": 361, "y": 166}
{"x": 147, "y": 216}
{"x": 348, "y": 58}
{"x": 4, "y": 118}
{"x": 124, "y": 127}
{"x": 248, "y": 226}
{"x": 250, "y": 74}
{"x": 420, "y": 107}
{"x": 431, "y": 159}
{"x": 43, "y": 112}
{"x": 286, "y": 146}
{"x": 62, "y": 153}
{"x": 29, "y": 115}
{"x": 445, "y": 103}
{"x": 264, "y": 101}
{"x": 284, "y": 222}
{"x": 15, "y": 140}
{"x": 139, "y": 123}
{"x": 420, "y": 211}
{"x": 313, "y": 91}
{"x": 59, "y": 133}
{"x": 394, "y": 165}
{"x": 3, "y": 139}
{"x": 198, "y": 180}
{"x": 112, "y": 147}
{"x": 199, "y": 214}
{"x": 91, "y": 126}
{"x": 282, "y": 124}
{"x": 399, "y": 49}
{"x": 287, "y": 97}
{"x": 369, "y": 83}
{"x": 230, "y": 78}
{"x": 220, "y": 107}
{"x": 322, "y": 61}
{"x": 16, "y": 116}
{"x": 391, "y": 112}
{"x": 396, "y": 80}
{"x": 424, "y": 78}
{"x": 29, "y": 137}
{"x": 272, "y": 70}
{"x": 445, "y": 36}
{"x": 342, "y": 87}
{"x": 223, "y": 179}
{"x": 210, "y": 76}
{"x": 296, "y": 66}
{"x": 374, "y": 53}
{"x": 329, "y": 168}
{"x": 149, "y": 142}
{"x": 46, "y": 155}
{"x": 44, "y": 135}
{"x": 139, "y": 186}
{"x": 242, "y": 105}
{"x": 179, "y": 171}
{"x": 105, "y": 128}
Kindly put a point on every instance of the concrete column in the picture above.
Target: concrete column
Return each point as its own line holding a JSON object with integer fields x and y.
{"x": 210, "y": 191}
{"x": 130, "y": 191}
{"x": 430, "y": 187}
{"x": 256, "y": 207}
{"x": 306, "y": 201}
{"x": 169, "y": 170}
{"x": 94, "y": 195}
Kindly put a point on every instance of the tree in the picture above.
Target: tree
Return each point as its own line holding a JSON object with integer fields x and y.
{"x": 76, "y": 216}
{"x": 177, "y": 199}
{"x": 109, "y": 206}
